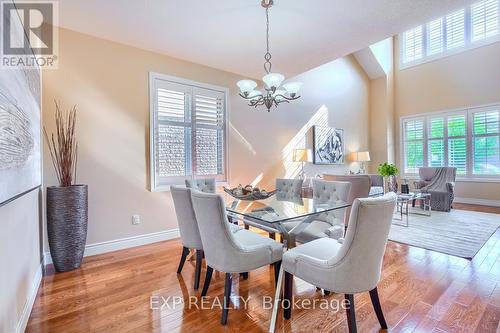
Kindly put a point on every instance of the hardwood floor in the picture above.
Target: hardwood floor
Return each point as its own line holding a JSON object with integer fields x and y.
{"x": 420, "y": 291}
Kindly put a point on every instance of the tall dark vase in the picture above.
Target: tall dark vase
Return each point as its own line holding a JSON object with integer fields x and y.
{"x": 67, "y": 218}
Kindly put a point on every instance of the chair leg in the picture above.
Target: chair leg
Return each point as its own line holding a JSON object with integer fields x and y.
{"x": 351, "y": 316}
{"x": 277, "y": 266}
{"x": 378, "y": 308}
{"x": 208, "y": 278}
{"x": 272, "y": 235}
{"x": 287, "y": 298}
{"x": 247, "y": 227}
{"x": 197, "y": 272}
{"x": 244, "y": 275}
{"x": 326, "y": 292}
{"x": 185, "y": 252}
{"x": 227, "y": 299}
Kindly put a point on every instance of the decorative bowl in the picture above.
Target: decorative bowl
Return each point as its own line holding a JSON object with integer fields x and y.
{"x": 251, "y": 195}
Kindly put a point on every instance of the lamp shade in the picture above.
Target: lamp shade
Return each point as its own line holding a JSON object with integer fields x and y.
{"x": 360, "y": 156}
{"x": 292, "y": 88}
{"x": 255, "y": 94}
{"x": 302, "y": 155}
{"x": 273, "y": 80}
{"x": 246, "y": 86}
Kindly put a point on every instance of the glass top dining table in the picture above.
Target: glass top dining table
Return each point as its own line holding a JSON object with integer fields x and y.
{"x": 276, "y": 211}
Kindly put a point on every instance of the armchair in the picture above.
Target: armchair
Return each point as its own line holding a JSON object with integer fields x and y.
{"x": 440, "y": 183}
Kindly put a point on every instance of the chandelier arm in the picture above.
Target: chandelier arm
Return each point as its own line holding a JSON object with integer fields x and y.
{"x": 287, "y": 98}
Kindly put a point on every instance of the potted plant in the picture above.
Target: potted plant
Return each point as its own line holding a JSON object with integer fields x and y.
{"x": 67, "y": 203}
{"x": 389, "y": 172}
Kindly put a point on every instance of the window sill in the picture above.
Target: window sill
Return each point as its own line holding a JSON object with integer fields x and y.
{"x": 459, "y": 180}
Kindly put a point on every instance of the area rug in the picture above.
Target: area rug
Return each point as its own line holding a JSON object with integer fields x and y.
{"x": 459, "y": 233}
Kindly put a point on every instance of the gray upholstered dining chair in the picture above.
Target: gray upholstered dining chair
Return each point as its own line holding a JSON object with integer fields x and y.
{"x": 285, "y": 189}
{"x": 188, "y": 228}
{"x": 329, "y": 224}
{"x": 206, "y": 185}
{"x": 360, "y": 188}
{"x": 351, "y": 267}
{"x": 230, "y": 252}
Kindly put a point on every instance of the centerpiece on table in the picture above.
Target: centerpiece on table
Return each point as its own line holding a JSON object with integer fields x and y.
{"x": 248, "y": 192}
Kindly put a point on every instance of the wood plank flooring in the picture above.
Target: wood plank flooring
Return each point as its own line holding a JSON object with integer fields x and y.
{"x": 420, "y": 290}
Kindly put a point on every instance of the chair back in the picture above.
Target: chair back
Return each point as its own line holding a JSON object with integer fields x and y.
{"x": 358, "y": 263}
{"x": 219, "y": 245}
{"x": 188, "y": 226}
{"x": 360, "y": 188}
{"x": 288, "y": 188}
{"x": 206, "y": 185}
{"x": 325, "y": 191}
{"x": 428, "y": 173}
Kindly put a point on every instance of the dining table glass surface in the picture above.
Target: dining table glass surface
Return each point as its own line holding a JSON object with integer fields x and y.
{"x": 279, "y": 207}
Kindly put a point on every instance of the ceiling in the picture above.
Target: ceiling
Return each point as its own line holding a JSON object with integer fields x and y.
{"x": 230, "y": 34}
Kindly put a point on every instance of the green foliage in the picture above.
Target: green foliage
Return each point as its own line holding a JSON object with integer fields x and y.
{"x": 387, "y": 169}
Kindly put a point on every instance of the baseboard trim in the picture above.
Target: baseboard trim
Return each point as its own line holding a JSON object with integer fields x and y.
{"x": 474, "y": 201}
{"x": 28, "y": 306}
{"x": 123, "y": 243}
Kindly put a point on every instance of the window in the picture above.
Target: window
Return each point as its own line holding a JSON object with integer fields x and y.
{"x": 188, "y": 131}
{"x": 464, "y": 29}
{"x": 466, "y": 139}
{"x": 412, "y": 44}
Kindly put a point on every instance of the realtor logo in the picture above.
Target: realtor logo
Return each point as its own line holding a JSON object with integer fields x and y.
{"x": 28, "y": 34}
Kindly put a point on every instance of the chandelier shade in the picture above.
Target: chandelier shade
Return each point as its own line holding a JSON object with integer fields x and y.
{"x": 274, "y": 92}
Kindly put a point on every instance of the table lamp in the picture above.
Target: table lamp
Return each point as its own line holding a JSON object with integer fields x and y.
{"x": 361, "y": 157}
{"x": 302, "y": 155}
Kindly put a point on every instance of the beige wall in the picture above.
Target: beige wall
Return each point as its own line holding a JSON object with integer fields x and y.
{"x": 19, "y": 258}
{"x": 467, "y": 79}
{"x": 109, "y": 84}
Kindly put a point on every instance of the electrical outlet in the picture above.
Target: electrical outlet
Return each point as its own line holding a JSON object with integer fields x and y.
{"x": 136, "y": 219}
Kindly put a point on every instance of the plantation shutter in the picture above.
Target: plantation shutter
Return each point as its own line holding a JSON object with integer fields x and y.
{"x": 484, "y": 19}
{"x": 412, "y": 45}
{"x": 485, "y": 141}
{"x": 172, "y": 132}
{"x": 455, "y": 29}
{"x": 436, "y": 142}
{"x": 435, "y": 38}
{"x": 188, "y": 136}
{"x": 457, "y": 143}
{"x": 209, "y": 132}
{"x": 414, "y": 145}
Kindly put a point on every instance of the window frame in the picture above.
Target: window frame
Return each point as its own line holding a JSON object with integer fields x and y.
{"x": 153, "y": 77}
{"x": 469, "y": 114}
{"x": 469, "y": 43}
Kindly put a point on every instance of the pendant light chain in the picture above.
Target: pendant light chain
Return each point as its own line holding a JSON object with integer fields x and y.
{"x": 267, "y": 56}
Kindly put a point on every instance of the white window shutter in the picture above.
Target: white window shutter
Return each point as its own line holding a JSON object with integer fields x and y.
{"x": 209, "y": 119}
{"x": 455, "y": 29}
{"x": 484, "y": 19}
{"x": 172, "y": 132}
{"x": 486, "y": 142}
{"x": 412, "y": 45}
{"x": 435, "y": 37}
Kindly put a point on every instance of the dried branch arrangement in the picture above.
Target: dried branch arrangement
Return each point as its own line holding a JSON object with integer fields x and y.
{"x": 63, "y": 146}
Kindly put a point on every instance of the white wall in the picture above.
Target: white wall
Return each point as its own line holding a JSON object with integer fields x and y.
{"x": 19, "y": 259}
{"x": 109, "y": 84}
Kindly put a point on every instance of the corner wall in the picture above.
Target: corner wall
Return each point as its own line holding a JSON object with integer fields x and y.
{"x": 20, "y": 260}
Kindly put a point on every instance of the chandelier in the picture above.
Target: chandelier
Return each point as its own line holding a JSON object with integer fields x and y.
{"x": 274, "y": 93}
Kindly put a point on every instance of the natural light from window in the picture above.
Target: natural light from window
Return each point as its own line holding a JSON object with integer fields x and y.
{"x": 461, "y": 30}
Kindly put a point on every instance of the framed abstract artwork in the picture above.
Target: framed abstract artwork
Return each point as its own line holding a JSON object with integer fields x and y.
{"x": 328, "y": 145}
{"x": 20, "y": 139}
